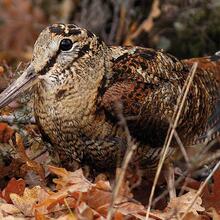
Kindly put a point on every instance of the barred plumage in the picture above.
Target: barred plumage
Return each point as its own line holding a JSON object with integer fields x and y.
{"x": 79, "y": 81}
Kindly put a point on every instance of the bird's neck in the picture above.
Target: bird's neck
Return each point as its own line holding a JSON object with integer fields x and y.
{"x": 76, "y": 98}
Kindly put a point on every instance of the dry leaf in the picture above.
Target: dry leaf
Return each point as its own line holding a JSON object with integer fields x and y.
{"x": 191, "y": 216}
{"x": 68, "y": 217}
{"x": 39, "y": 216}
{"x": 13, "y": 186}
{"x": 30, "y": 164}
{"x": 211, "y": 198}
{"x": 27, "y": 203}
{"x": 83, "y": 211}
{"x": 179, "y": 205}
{"x": 6, "y": 132}
{"x": 99, "y": 197}
{"x": 214, "y": 214}
{"x": 182, "y": 203}
{"x": 10, "y": 209}
{"x": 66, "y": 178}
{"x": 68, "y": 184}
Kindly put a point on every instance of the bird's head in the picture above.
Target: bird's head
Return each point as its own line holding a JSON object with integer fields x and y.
{"x": 57, "y": 48}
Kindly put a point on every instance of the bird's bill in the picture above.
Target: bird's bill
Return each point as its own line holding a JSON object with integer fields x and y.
{"x": 25, "y": 81}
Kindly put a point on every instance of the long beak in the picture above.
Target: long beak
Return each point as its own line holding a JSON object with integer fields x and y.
{"x": 25, "y": 81}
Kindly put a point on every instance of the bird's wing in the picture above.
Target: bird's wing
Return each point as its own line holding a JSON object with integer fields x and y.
{"x": 147, "y": 83}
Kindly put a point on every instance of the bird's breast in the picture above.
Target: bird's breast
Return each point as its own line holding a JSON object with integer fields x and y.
{"x": 67, "y": 116}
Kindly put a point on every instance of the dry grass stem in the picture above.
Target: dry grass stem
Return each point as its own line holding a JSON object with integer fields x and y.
{"x": 131, "y": 147}
{"x": 69, "y": 209}
{"x": 170, "y": 133}
{"x": 182, "y": 148}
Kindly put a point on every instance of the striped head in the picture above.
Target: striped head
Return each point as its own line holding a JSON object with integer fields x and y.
{"x": 58, "y": 48}
{"x": 60, "y": 45}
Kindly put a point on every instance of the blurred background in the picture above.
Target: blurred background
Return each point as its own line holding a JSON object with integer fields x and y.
{"x": 185, "y": 28}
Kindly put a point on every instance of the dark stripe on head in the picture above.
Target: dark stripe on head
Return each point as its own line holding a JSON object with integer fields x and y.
{"x": 58, "y": 30}
{"x": 49, "y": 64}
{"x": 83, "y": 50}
{"x": 61, "y": 30}
{"x": 90, "y": 34}
{"x": 99, "y": 40}
{"x": 74, "y": 31}
{"x": 72, "y": 26}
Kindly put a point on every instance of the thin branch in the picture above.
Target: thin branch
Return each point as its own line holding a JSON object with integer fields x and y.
{"x": 131, "y": 147}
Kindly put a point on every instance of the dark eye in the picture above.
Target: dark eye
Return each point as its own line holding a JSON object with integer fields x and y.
{"x": 66, "y": 44}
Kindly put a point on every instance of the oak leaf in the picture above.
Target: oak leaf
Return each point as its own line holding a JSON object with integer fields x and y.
{"x": 13, "y": 186}
{"x": 6, "y": 132}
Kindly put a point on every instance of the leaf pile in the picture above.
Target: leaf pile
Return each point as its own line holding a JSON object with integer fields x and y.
{"x": 74, "y": 197}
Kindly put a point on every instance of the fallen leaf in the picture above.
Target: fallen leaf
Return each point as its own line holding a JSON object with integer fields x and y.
{"x": 13, "y": 186}
{"x": 182, "y": 203}
{"x": 10, "y": 209}
{"x": 83, "y": 210}
{"x": 99, "y": 197}
{"x": 92, "y": 199}
{"x": 211, "y": 196}
{"x": 39, "y": 216}
{"x": 27, "y": 202}
{"x": 191, "y": 216}
{"x": 6, "y": 132}
{"x": 66, "y": 178}
{"x": 68, "y": 184}
{"x": 212, "y": 212}
{"x": 179, "y": 205}
{"x": 30, "y": 164}
{"x": 67, "y": 217}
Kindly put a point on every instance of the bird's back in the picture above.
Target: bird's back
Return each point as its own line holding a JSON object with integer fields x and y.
{"x": 148, "y": 83}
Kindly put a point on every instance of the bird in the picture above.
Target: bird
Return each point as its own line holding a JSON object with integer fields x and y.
{"x": 79, "y": 82}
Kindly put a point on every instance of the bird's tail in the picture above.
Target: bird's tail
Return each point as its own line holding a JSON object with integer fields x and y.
{"x": 210, "y": 64}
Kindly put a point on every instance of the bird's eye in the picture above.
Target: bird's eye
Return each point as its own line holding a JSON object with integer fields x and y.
{"x": 66, "y": 44}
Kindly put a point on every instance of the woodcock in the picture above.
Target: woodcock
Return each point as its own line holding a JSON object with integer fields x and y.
{"x": 78, "y": 82}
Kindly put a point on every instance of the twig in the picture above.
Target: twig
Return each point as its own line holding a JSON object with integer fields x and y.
{"x": 171, "y": 133}
{"x": 131, "y": 147}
